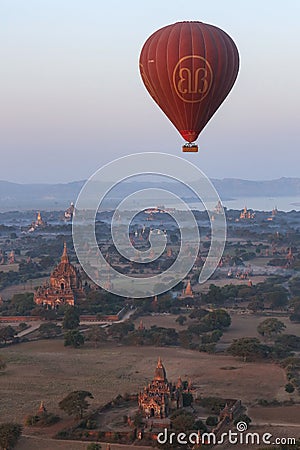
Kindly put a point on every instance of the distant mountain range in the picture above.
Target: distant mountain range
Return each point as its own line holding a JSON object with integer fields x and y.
{"x": 14, "y": 196}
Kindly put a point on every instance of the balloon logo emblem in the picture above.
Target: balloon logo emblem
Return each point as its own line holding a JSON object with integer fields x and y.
{"x": 192, "y": 78}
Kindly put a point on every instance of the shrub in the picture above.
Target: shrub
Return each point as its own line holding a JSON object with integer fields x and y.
{"x": 41, "y": 420}
{"x": 212, "y": 421}
{"x": 289, "y": 388}
{"x": 94, "y": 446}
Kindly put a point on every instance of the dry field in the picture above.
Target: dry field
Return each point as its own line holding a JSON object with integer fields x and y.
{"x": 32, "y": 443}
{"x": 241, "y": 325}
{"x": 225, "y": 281}
{"x": 10, "y": 267}
{"x": 162, "y": 320}
{"x": 29, "y": 286}
{"x": 246, "y": 325}
{"x": 46, "y": 370}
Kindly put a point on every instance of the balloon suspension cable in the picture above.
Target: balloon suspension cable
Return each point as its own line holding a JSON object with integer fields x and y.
{"x": 190, "y": 147}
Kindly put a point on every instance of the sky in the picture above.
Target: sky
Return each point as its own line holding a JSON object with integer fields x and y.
{"x": 71, "y": 96}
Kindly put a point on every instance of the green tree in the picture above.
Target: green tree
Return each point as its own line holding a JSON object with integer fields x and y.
{"x": 94, "y": 446}
{"x": 9, "y": 435}
{"x": 49, "y": 330}
{"x": 71, "y": 319}
{"x": 187, "y": 399}
{"x": 295, "y": 316}
{"x": 212, "y": 421}
{"x": 96, "y": 334}
{"x": 46, "y": 262}
{"x": 75, "y": 403}
{"x": 22, "y": 304}
{"x": 217, "y": 320}
{"x": 7, "y": 333}
{"x": 215, "y": 295}
{"x": 248, "y": 348}
{"x": 288, "y": 341}
{"x": 119, "y": 330}
{"x": 278, "y": 298}
{"x": 289, "y": 388}
{"x": 198, "y": 313}
{"x": 256, "y": 305}
{"x": 181, "y": 320}
{"x": 182, "y": 421}
{"x": 270, "y": 327}
{"x": 22, "y": 326}
{"x": 74, "y": 338}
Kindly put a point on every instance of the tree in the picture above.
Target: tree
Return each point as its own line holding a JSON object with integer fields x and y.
{"x": 22, "y": 304}
{"x": 9, "y": 435}
{"x": 138, "y": 419}
{"x": 289, "y": 388}
{"x": 94, "y": 446}
{"x": 119, "y": 330}
{"x": 181, "y": 320}
{"x": 270, "y": 327}
{"x": 212, "y": 421}
{"x": 2, "y": 364}
{"x": 74, "y": 338}
{"x": 198, "y": 313}
{"x": 75, "y": 403}
{"x": 71, "y": 319}
{"x": 215, "y": 295}
{"x": 248, "y": 348}
{"x": 49, "y": 330}
{"x": 96, "y": 334}
{"x": 22, "y": 326}
{"x": 256, "y": 305}
{"x": 217, "y": 319}
{"x": 278, "y": 298}
{"x": 7, "y": 333}
{"x": 243, "y": 418}
{"x": 295, "y": 316}
{"x": 187, "y": 399}
{"x": 182, "y": 421}
{"x": 288, "y": 341}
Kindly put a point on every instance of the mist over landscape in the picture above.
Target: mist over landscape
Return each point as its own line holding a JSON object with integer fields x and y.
{"x": 58, "y": 195}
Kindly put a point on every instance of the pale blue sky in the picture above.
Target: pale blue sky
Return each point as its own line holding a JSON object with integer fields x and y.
{"x": 72, "y": 98}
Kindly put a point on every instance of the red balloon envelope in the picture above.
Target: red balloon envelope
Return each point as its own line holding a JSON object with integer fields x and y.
{"x": 189, "y": 69}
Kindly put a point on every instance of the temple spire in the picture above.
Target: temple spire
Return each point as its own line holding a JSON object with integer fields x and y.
{"x": 188, "y": 292}
{"x": 42, "y": 408}
{"x": 160, "y": 372}
{"x": 64, "y": 257}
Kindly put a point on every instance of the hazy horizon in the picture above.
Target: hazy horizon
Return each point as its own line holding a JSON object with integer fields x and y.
{"x": 212, "y": 178}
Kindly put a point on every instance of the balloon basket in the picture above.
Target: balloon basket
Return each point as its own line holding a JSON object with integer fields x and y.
{"x": 193, "y": 148}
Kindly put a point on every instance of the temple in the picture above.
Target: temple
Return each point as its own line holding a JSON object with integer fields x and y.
{"x": 247, "y": 214}
{"x": 69, "y": 212}
{"x": 64, "y": 288}
{"x": 160, "y": 397}
{"x": 38, "y": 223}
{"x": 187, "y": 292}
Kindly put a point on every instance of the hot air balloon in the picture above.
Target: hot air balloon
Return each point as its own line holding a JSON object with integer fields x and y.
{"x": 189, "y": 69}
